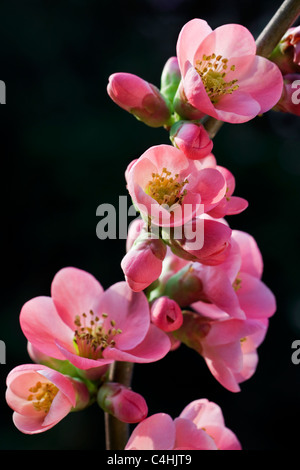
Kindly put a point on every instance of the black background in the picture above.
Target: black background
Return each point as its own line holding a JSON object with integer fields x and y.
{"x": 65, "y": 147}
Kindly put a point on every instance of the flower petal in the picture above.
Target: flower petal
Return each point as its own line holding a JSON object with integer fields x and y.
{"x": 154, "y": 433}
{"x": 189, "y": 39}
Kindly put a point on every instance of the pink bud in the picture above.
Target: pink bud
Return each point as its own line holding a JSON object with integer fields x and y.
{"x": 166, "y": 314}
{"x": 122, "y": 403}
{"x": 290, "y": 98}
{"x": 142, "y": 265}
{"x": 139, "y": 97}
{"x": 287, "y": 53}
{"x": 192, "y": 139}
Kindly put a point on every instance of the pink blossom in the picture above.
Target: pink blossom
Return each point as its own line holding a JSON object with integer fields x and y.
{"x": 139, "y": 97}
{"x": 287, "y": 53}
{"x": 91, "y": 327}
{"x": 200, "y": 426}
{"x": 221, "y": 74}
{"x": 41, "y": 397}
{"x": 192, "y": 139}
{"x": 122, "y": 403}
{"x": 170, "y": 189}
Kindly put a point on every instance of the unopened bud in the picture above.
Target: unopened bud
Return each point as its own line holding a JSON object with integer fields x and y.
{"x": 140, "y": 98}
{"x": 185, "y": 287}
{"x": 166, "y": 314}
{"x": 122, "y": 403}
{"x": 287, "y": 53}
{"x": 142, "y": 264}
{"x": 170, "y": 78}
{"x": 192, "y": 139}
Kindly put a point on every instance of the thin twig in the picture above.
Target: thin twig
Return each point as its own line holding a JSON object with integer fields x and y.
{"x": 268, "y": 39}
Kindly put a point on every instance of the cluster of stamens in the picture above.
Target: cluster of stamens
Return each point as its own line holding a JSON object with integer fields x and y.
{"x": 212, "y": 70}
{"x": 91, "y": 338}
{"x": 166, "y": 189}
{"x": 42, "y": 396}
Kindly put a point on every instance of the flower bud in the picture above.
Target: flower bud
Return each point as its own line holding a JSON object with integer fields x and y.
{"x": 185, "y": 287}
{"x": 166, "y": 314}
{"x": 290, "y": 98}
{"x": 192, "y": 139}
{"x": 140, "y": 98}
{"x": 287, "y": 53}
{"x": 122, "y": 403}
{"x": 170, "y": 78}
{"x": 142, "y": 264}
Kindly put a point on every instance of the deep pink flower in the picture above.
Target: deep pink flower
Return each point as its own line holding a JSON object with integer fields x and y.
{"x": 139, "y": 97}
{"x": 221, "y": 74}
{"x": 122, "y": 402}
{"x": 41, "y": 397}
{"x": 90, "y": 327}
{"x": 169, "y": 189}
{"x": 200, "y": 426}
{"x": 192, "y": 139}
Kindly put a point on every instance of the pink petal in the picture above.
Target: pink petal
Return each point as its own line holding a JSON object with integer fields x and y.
{"x": 224, "y": 438}
{"x": 227, "y": 331}
{"x": 223, "y": 375}
{"x": 154, "y": 347}
{"x": 203, "y": 412}
{"x": 212, "y": 186}
{"x": 255, "y": 298}
{"x": 154, "y": 433}
{"x": 189, "y": 39}
{"x": 75, "y": 292}
{"x": 264, "y": 82}
{"x": 239, "y": 107}
{"x": 30, "y": 425}
{"x": 80, "y": 362}
{"x": 196, "y": 93}
{"x": 60, "y": 407}
{"x": 229, "y": 354}
{"x": 188, "y": 436}
{"x": 130, "y": 312}
{"x": 250, "y": 361}
{"x": 252, "y": 262}
{"x": 229, "y": 40}
{"x": 42, "y": 325}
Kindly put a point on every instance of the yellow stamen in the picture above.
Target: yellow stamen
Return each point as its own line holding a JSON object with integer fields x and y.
{"x": 212, "y": 71}
{"x": 42, "y": 395}
{"x": 166, "y": 189}
{"x": 237, "y": 284}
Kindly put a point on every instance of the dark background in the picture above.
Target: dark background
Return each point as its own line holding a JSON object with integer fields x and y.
{"x": 65, "y": 147}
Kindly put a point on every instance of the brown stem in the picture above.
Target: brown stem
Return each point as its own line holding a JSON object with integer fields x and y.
{"x": 117, "y": 432}
{"x": 268, "y": 39}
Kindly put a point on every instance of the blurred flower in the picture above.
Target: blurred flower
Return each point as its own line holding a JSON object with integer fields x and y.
{"x": 41, "y": 397}
{"x": 200, "y": 426}
{"x": 221, "y": 75}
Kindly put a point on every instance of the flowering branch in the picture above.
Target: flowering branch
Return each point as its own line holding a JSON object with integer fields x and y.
{"x": 268, "y": 39}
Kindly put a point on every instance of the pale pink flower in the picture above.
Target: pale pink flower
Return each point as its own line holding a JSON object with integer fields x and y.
{"x": 91, "y": 327}
{"x": 221, "y": 74}
{"x": 169, "y": 189}
{"x": 41, "y": 397}
{"x": 200, "y": 426}
{"x": 140, "y": 98}
{"x": 122, "y": 402}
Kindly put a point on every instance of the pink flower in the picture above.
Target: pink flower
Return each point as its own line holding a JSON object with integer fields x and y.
{"x": 221, "y": 74}
{"x": 192, "y": 139}
{"x": 200, "y": 426}
{"x": 166, "y": 314}
{"x": 41, "y": 397}
{"x": 142, "y": 264}
{"x": 122, "y": 403}
{"x": 169, "y": 189}
{"x": 139, "y": 97}
{"x": 90, "y": 327}
{"x": 287, "y": 53}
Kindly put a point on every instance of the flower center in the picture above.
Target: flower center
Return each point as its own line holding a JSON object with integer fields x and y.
{"x": 91, "y": 338}
{"x": 42, "y": 396}
{"x": 212, "y": 70}
{"x": 166, "y": 189}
